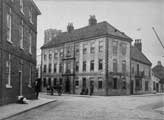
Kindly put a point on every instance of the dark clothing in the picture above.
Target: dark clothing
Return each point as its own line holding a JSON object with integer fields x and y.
{"x": 37, "y": 89}
{"x": 91, "y": 89}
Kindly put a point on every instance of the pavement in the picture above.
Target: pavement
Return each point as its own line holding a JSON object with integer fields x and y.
{"x": 11, "y": 110}
{"x": 14, "y": 109}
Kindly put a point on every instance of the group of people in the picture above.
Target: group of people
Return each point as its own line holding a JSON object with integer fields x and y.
{"x": 58, "y": 88}
{"x": 84, "y": 90}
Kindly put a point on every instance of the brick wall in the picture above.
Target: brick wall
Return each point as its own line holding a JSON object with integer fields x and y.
{"x": 21, "y": 59}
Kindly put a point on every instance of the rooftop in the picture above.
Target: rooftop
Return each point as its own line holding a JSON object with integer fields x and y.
{"x": 139, "y": 56}
{"x": 90, "y": 31}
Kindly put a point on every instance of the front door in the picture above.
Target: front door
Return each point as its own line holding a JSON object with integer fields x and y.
{"x": 20, "y": 82}
{"x": 67, "y": 85}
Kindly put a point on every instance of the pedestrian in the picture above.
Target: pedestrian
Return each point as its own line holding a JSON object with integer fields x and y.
{"x": 91, "y": 88}
{"x": 52, "y": 90}
{"x": 37, "y": 89}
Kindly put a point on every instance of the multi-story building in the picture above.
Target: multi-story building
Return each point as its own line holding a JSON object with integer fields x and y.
{"x": 98, "y": 53}
{"x": 140, "y": 70}
{"x": 18, "y": 31}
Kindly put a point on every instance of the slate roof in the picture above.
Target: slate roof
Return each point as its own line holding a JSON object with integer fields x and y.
{"x": 139, "y": 56}
{"x": 158, "y": 71}
{"x": 100, "y": 29}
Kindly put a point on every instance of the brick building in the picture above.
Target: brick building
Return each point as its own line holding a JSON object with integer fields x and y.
{"x": 18, "y": 33}
{"x": 98, "y": 53}
{"x": 140, "y": 70}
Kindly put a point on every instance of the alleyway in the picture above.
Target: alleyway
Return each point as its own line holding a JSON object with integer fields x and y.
{"x": 70, "y": 107}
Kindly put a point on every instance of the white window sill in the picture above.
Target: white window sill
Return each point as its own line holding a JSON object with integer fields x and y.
{"x": 22, "y": 11}
{"x": 21, "y": 48}
{"x": 10, "y": 41}
{"x": 8, "y": 86}
{"x": 29, "y": 85}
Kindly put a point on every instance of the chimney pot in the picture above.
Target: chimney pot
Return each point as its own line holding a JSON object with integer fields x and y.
{"x": 92, "y": 20}
{"x": 138, "y": 44}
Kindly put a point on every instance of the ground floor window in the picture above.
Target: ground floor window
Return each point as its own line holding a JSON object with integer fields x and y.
{"x": 154, "y": 85}
{"x": 124, "y": 85}
{"x": 138, "y": 84}
{"x": 146, "y": 85}
{"x": 60, "y": 81}
{"x": 49, "y": 81}
{"x": 55, "y": 81}
{"x": 44, "y": 82}
{"x": 100, "y": 83}
{"x": 114, "y": 83}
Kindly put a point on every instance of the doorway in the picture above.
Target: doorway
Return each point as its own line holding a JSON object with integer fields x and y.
{"x": 20, "y": 82}
{"x": 67, "y": 85}
{"x": 131, "y": 87}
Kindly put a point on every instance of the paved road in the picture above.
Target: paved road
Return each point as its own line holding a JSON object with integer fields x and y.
{"x": 70, "y": 107}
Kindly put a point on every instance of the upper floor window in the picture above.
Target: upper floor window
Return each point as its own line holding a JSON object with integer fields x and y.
{"x": 21, "y": 35}
{"x": 68, "y": 67}
{"x": 55, "y": 54}
{"x": 92, "y": 65}
{"x": 55, "y": 67}
{"x": 50, "y": 56}
{"x": 68, "y": 51}
{"x": 21, "y": 6}
{"x": 132, "y": 68}
{"x": 101, "y": 46}
{"x": 45, "y": 57}
{"x": 84, "y": 48}
{"x": 123, "y": 48}
{"x": 44, "y": 68}
{"x": 9, "y": 26}
{"x": 123, "y": 66}
{"x": 114, "y": 65}
{"x": 61, "y": 52}
{"x": 30, "y": 43}
{"x": 100, "y": 64}
{"x": 92, "y": 48}
{"x": 77, "y": 50}
{"x": 114, "y": 47}
{"x": 84, "y": 66}
{"x": 30, "y": 15}
{"x": 49, "y": 68}
{"x": 77, "y": 66}
{"x": 60, "y": 67}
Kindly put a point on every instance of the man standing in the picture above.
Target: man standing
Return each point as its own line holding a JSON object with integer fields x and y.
{"x": 91, "y": 88}
{"x": 37, "y": 88}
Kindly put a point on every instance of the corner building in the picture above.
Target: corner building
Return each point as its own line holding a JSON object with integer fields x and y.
{"x": 97, "y": 53}
{"x": 18, "y": 33}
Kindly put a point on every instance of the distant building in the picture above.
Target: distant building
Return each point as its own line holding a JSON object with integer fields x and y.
{"x": 96, "y": 54}
{"x": 158, "y": 71}
{"x": 155, "y": 84}
{"x": 49, "y": 34}
{"x": 140, "y": 70}
{"x": 18, "y": 31}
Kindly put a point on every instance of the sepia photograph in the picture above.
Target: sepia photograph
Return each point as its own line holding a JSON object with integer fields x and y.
{"x": 81, "y": 59}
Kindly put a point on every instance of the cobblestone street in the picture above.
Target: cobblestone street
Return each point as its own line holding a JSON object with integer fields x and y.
{"x": 72, "y": 107}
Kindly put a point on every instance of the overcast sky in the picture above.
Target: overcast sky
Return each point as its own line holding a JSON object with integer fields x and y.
{"x": 134, "y": 18}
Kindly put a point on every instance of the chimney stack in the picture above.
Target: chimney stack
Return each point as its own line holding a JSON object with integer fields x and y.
{"x": 138, "y": 44}
{"x": 159, "y": 63}
{"x": 92, "y": 20}
{"x": 70, "y": 27}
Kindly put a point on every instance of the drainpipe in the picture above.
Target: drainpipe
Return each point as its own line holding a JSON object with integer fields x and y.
{"x": 106, "y": 66}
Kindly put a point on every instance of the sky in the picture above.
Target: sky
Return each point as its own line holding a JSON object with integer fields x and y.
{"x": 133, "y": 17}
